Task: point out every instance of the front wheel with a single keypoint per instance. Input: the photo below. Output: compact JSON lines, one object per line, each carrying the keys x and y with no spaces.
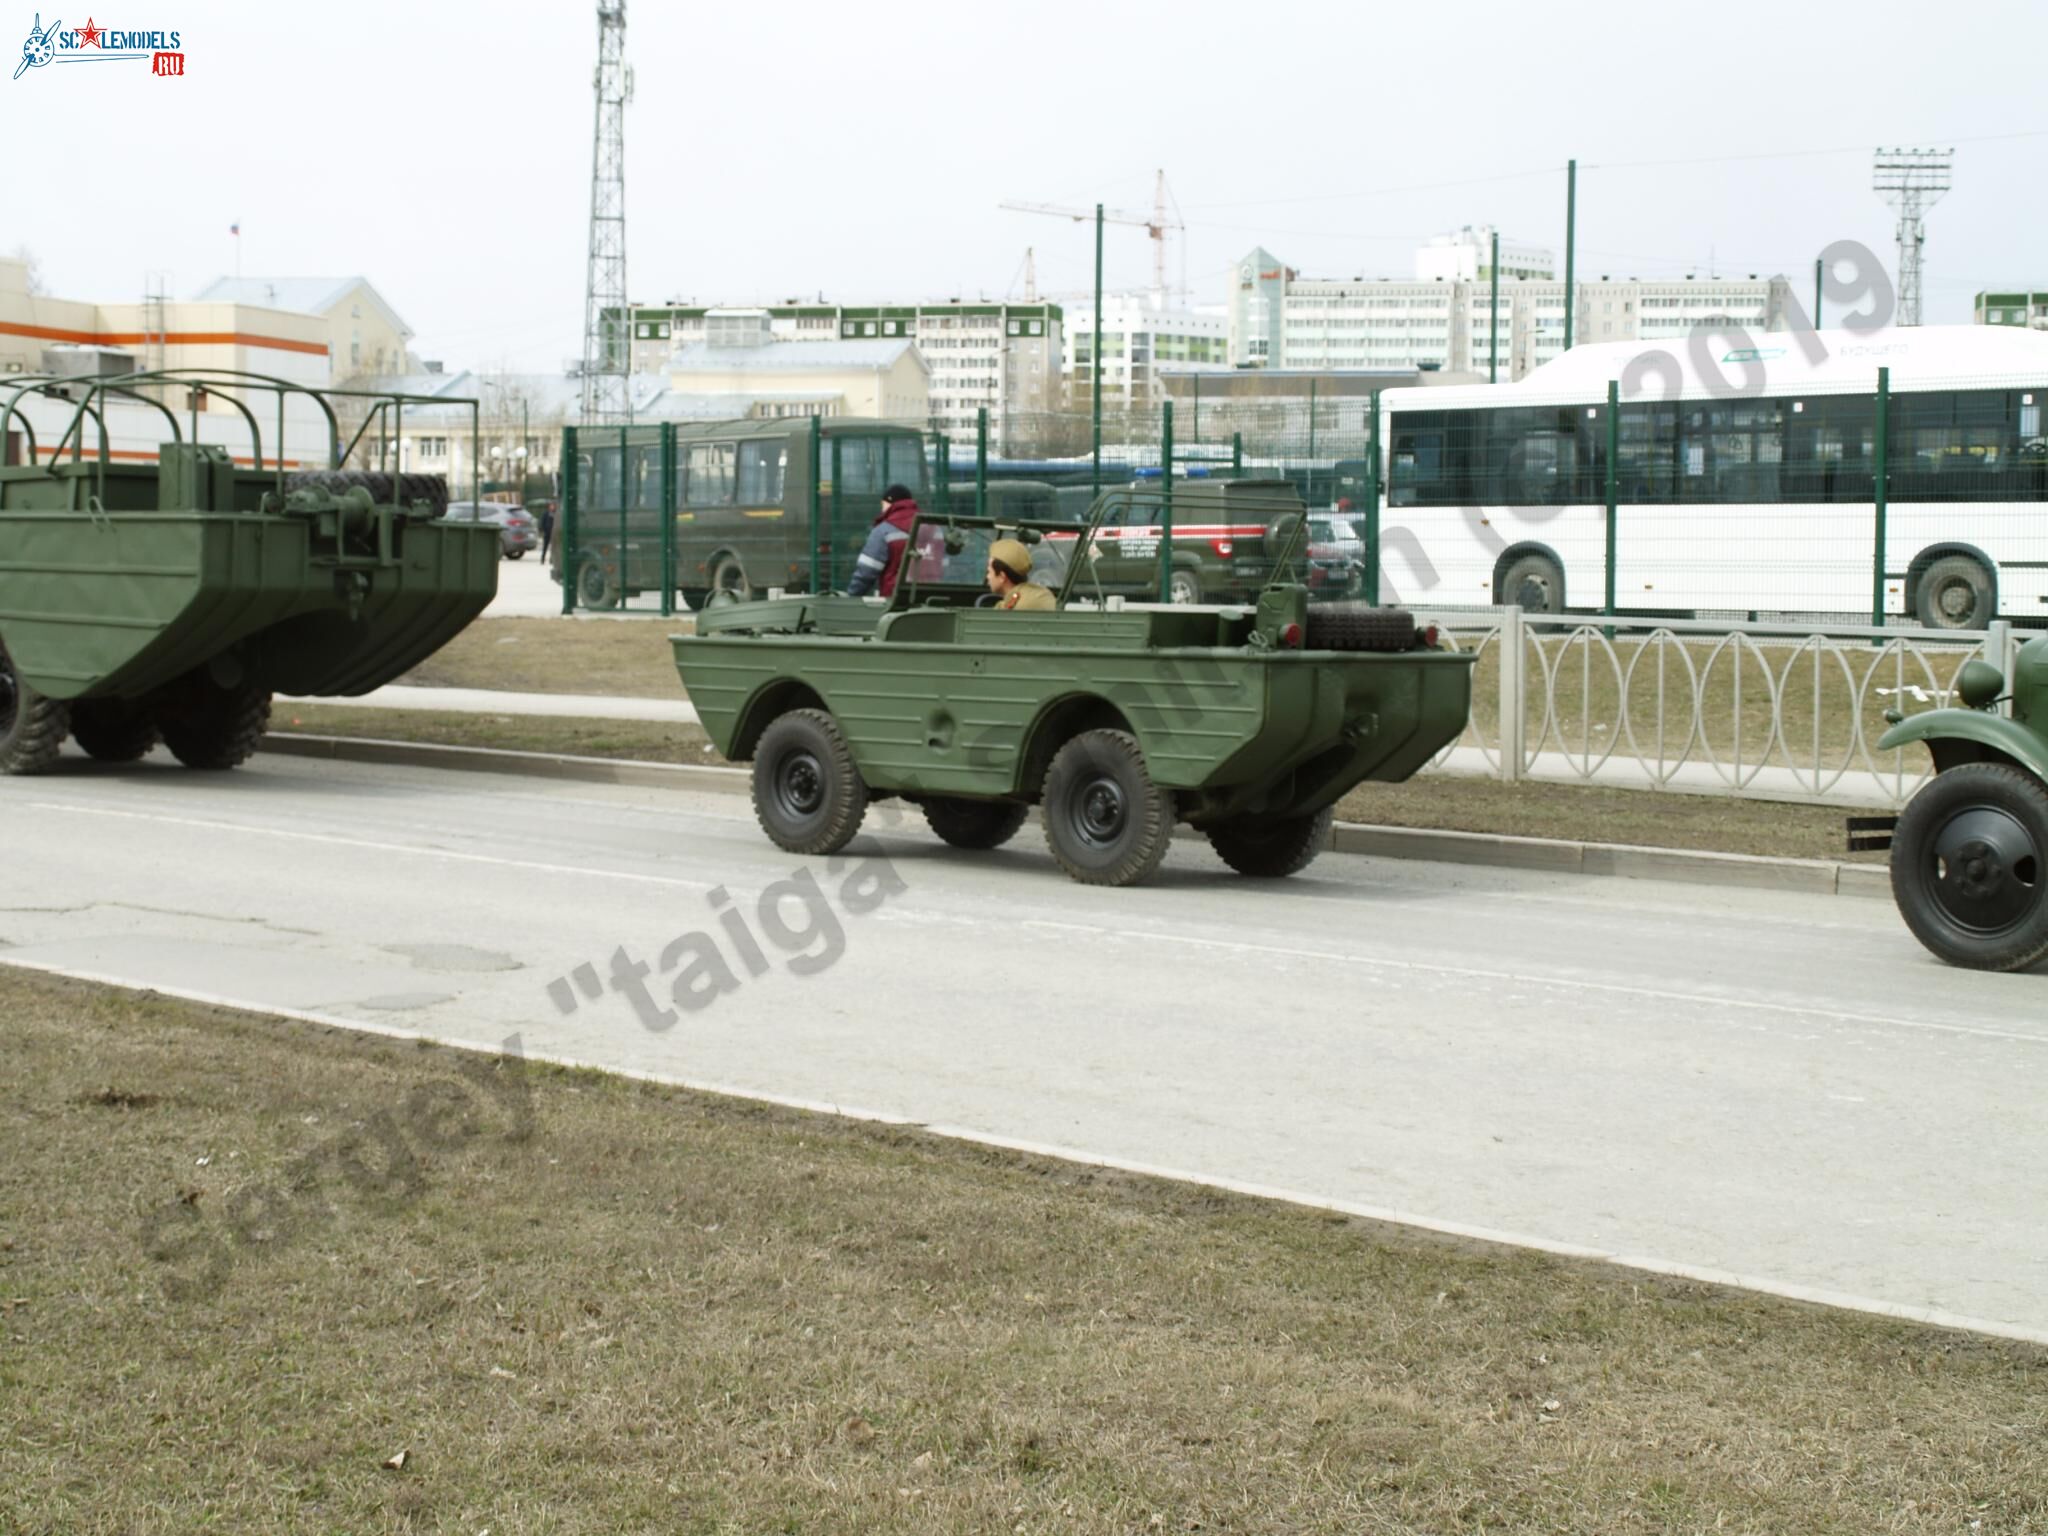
{"x":595,"y":585}
{"x":1970,"y":867}
{"x":1184,"y":586}
{"x":974,"y":823}
{"x":112,"y":730}
{"x":808,"y":793}
{"x":1106,"y":822}
{"x":222,"y":731}
{"x":1955,"y":592}
{"x":1273,"y":850}
{"x":1533,"y":583}
{"x":515,"y":554}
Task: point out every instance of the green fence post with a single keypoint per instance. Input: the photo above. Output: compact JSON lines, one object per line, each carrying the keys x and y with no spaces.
{"x":1880,"y":487}
{"x":567,"y":532}
{"x":1493,"y":315}
{"x":1198,"y":408}
{"x":981,"y":461}
{"x":1236,"y":454}
{"x":832,"y":514}
{"x":619,"y":556}
{"x":1613,"y":486}
{"x":1095,"y":358}
{"x":1372,"y":501}
{"x":668,"y":519}
{"x":1166,"y":502}
{"x":942,"y":490}
{"x":1816,"y":292}
{"x":817,"y":532}
{"x":1309,"y":479}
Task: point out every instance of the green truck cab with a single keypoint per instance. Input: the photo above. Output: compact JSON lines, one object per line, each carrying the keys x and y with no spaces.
{"x":1969,"y":853}
{"x":1247,"y":721}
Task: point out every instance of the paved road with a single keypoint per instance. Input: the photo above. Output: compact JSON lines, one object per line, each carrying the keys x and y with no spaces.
{"x":1772,"y":1086}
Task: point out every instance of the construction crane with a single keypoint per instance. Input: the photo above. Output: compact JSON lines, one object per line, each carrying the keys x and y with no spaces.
{"x":1156,"y":225}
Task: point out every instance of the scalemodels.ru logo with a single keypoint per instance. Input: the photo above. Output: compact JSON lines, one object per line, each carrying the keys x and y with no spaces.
{"x":95,"y":44}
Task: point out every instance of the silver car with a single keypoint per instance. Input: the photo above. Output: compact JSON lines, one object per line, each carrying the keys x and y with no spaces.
{"x":517,"y":531}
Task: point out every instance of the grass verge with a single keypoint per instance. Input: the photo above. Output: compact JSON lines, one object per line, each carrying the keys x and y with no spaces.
{"x":558,"y":656}
{"x":1584,"y":814}
{"x":661,"y":1311}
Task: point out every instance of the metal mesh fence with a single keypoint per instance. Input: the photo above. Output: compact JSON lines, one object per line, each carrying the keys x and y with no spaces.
{"x":1848,"y":496}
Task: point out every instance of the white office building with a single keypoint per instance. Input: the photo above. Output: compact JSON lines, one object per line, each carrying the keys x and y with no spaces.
{"x":1453,"y":323}
{"x":1141,"y":333}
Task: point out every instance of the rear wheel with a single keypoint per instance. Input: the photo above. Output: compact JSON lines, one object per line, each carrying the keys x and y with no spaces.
{"x":1533,"y":583}
{"x":1184,"y":586}
{"x":1106,"y":822}
{"x":1272,"y":850}
{"x":595,"y":585}
{"x":808,"y":793}
{"x":221,"y":731}
{"x":112,"y":730}
{"x":1970,"y":867}
{"x":1955,"y":592}
{"x":515,"y":554}
{"x":974,"y":823}
{"x":32,"y":728}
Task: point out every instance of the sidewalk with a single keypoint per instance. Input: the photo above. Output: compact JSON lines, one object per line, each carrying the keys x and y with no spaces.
{"x":488,"y":701}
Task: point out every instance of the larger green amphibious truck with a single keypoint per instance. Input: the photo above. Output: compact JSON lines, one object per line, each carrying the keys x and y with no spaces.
{"x":166,"y":595}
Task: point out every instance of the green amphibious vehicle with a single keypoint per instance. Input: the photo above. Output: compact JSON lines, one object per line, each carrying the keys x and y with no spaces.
{"x":167,"y":595}
{"x":1247,"y":721}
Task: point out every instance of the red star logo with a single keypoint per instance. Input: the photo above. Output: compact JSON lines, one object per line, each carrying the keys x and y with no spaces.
{"x":89,"y":35}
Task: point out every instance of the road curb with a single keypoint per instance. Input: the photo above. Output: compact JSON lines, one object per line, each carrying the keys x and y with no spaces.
{"x":1496,"y":850}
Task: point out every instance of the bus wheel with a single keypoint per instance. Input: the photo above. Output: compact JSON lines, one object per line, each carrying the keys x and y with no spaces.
{"x":730,"y":576}
{"x":1955,"y":592}
{"x":595,"y":587}
{"x":1534,"y":584}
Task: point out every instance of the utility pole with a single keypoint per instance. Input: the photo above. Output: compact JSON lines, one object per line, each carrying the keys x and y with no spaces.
{"x":1911,"y":180}
{"x":1493,"y":317}
{"x":1571,"y":230}
{"x":607,"y":324}
{"x":1095,"y":353}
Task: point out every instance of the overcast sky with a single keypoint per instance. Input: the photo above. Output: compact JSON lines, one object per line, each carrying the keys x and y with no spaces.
{"x":443,"y":149}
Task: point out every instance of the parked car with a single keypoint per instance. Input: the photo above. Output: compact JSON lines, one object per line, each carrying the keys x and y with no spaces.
{"x":1336,"y":555}
{"x":517,"y":530}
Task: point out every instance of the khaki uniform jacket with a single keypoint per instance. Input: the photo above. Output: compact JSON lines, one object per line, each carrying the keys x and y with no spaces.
{"x":1030,"y":597}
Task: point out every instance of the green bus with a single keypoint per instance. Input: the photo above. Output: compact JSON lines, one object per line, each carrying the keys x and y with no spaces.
{"x":710,"y":506}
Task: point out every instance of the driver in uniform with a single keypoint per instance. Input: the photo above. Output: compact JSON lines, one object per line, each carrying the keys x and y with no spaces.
{"x":1009,"y":577}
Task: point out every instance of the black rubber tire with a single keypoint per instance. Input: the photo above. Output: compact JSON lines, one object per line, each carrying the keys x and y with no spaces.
{"x":432,"y":489}
{"x":808,"y":793}
{"x":1184,"y":585}
{"x":974,"y":823}
{"x":383,"y":488}
{"x":728,"y":575}
{"x":32,"y":728}
{"x":1970,"y":867}
{"x":223,"y":732}
{"x":1275,"y":849}
{"x":596,"y":587}
{"x":112,"y":730}
{"x":1359,"y":627}
{"x":693,"y":597}
{"x":1106,"y":822}
{"x":1533,"y":582}
{"x":1955,"y":592}
{"x":515,"y":554}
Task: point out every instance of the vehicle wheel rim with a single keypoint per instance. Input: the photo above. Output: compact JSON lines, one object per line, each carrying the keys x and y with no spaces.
{"x":10,"y":694}
{"x":1099,"y":811}
{"x":1183,"y":590}
{"x":1987,"y":870}
{"x":594,"y":585}
{"x":800,"y":784}
{"x":1955,"y":601}
{"x":1533,"y":594}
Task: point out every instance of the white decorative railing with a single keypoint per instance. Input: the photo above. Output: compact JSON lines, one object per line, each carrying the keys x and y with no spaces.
{"x":1784,"y":710}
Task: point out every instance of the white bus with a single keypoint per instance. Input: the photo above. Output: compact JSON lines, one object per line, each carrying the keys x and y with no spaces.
{"x":1745,"y":479}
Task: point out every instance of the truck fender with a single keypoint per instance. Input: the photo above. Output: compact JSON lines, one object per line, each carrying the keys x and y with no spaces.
{"x":1958,"y":736}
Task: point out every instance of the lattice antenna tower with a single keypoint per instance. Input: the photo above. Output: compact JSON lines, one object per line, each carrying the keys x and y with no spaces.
{"x":1912,"y":180}
{"x":607,"y":327}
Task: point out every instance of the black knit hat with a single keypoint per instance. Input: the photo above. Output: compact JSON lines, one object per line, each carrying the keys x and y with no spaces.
{"x":896,"y":493}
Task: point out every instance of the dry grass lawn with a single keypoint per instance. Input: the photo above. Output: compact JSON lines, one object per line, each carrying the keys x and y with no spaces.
{"x":662,"y":1312}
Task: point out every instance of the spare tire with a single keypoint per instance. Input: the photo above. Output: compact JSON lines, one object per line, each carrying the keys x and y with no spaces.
{"x":432,"y":489}
{"x":1360,"y":627}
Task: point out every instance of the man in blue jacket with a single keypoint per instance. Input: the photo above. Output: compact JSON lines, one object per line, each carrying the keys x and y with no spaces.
{"x":881,"y":558}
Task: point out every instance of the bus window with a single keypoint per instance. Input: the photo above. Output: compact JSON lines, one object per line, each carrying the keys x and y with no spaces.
{"x":604,"y":478}
{"x":709,"y":475}
{"x":645,"y":475}
{"x":760,"y":473}
{"x":906,"y":463}
{"x":1418,"y":464}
